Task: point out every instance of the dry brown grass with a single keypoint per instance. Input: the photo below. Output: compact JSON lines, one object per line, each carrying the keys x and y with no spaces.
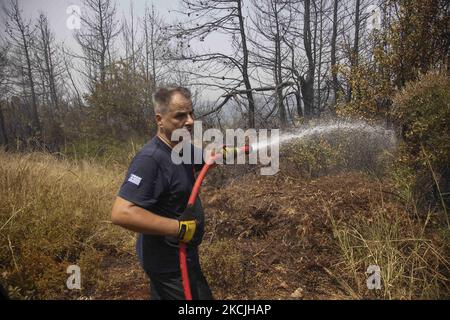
{"x":413,"y":260}
{"x":268,"y":237}
{"x":54,"y":213}
{"x":286,"y":235}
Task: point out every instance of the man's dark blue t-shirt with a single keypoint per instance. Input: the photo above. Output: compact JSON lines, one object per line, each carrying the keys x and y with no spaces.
{"x":156,"y":184}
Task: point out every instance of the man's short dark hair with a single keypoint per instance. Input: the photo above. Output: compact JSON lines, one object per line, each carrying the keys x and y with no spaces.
{"x":163,"y":95}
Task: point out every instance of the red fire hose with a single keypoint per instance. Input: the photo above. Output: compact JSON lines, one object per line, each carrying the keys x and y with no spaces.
{"x":192,"y":198}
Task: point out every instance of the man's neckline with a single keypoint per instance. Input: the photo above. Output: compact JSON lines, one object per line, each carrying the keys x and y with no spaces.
{"x":164,"y":141}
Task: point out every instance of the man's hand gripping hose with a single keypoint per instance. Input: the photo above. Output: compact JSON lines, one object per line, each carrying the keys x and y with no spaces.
{"x":187,"y":225}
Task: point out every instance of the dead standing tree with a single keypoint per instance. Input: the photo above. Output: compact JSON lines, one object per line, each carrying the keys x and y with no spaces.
{"x":155,"y":46}
{"x":302,"y":72}
{"x":205,"y":17}
{"x":96,"y":38}
{"x":3,"y":92}
{"x":129,"y":35}
{"x":48,"y":63}
{"x":307,"y":82}
{"x":333,"y":52}
{"x":271,"y":21}
{"x":354,"y":55}
{"x":21,"y":37}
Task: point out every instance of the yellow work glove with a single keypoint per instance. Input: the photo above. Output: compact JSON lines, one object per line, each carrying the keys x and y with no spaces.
{"x":187,"y":226}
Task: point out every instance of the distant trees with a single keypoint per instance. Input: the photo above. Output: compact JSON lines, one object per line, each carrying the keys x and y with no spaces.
{"x":21,"y":37}
{"x":419,"y":39}
{"x":284,"y":49}
{"x":272,"y":63}
{"x":31,"y":82}
{"x":271,"y":22}
{"x":411,"y":43}
{"x":96,"y":38}
{"x":129,"y":35}
{"x":204,"y":18}
{"x":300,"y":38}
{"x":48,"y":65}
{"x":155,"y":47}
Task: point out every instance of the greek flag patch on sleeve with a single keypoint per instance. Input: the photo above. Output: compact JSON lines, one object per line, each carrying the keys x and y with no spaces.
{"x":134,"y":179}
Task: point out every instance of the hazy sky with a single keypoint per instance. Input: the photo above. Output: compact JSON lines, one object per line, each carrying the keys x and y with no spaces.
{"x":56,"y":11}
{"x":57,"y":15}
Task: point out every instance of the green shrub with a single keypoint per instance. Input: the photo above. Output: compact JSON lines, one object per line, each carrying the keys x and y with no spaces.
{"x":314,"y":158}
{"x":422,"y":110}
{"x":360,"y":149}
{"x":120,"y":107}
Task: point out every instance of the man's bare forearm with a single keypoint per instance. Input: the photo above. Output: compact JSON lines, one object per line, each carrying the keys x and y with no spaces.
{"x":135,"y":218}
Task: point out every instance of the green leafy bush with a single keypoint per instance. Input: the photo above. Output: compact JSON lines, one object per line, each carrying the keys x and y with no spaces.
{"x":422,"y":110}
{"x":339,"y":151}
{"x":121,"y":107}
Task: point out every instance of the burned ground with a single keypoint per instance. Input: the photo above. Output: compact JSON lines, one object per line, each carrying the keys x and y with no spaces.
{"x":271,"y":237}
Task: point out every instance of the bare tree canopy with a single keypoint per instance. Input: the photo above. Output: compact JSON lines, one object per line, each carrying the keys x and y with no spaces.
{"x":249,"y":63}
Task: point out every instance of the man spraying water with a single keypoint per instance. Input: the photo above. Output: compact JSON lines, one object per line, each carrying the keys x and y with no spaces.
{"x":153,"y":202}
{"x":158,"y":199}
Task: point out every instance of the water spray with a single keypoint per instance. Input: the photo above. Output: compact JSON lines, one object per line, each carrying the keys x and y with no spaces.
{"x":326,"y":128}
{"x":300,"y":133}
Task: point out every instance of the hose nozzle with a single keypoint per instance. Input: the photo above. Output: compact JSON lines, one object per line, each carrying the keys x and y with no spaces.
{"x":234,"y":150}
